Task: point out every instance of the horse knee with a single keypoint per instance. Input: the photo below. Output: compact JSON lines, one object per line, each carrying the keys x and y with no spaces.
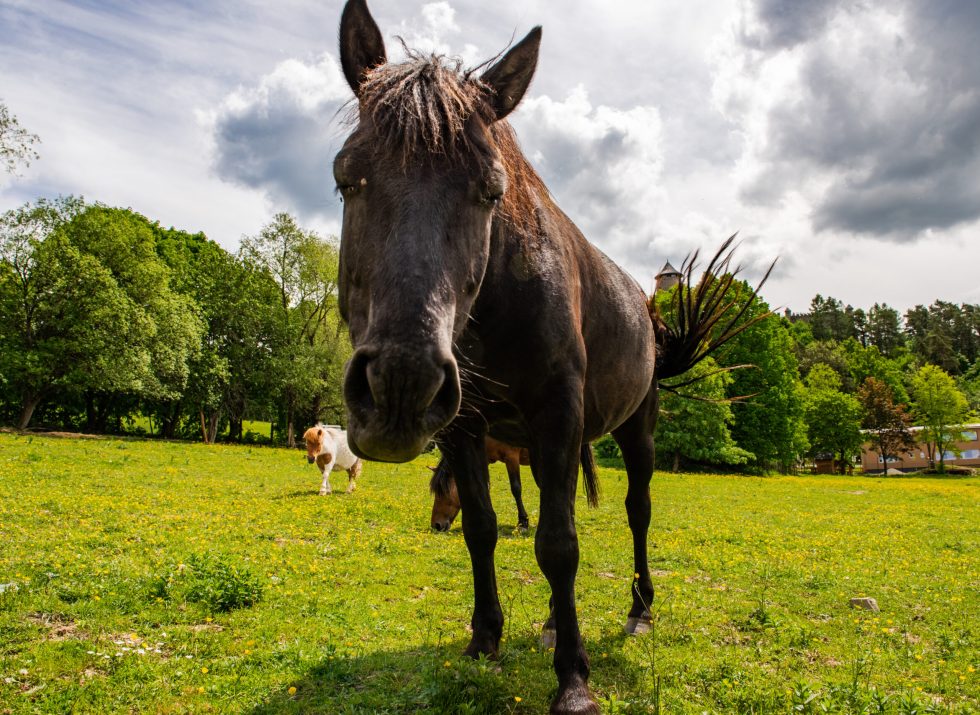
{"x":557,"y":553}
{"x":480,"y":529}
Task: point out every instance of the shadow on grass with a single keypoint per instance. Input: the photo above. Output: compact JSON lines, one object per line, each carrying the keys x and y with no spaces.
{"x":917,"y":475}
{"x":437,"y":679}
{"x":312,"y":493}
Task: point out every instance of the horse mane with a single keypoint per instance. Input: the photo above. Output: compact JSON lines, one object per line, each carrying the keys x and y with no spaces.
{"x":428,"y":107}
{"x":441,"y":484}
{"x":421,"y":105}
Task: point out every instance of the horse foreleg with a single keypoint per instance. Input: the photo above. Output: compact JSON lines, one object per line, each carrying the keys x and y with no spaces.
{"x":325,"y":486}
{"x":466,"y":458}
{"x":514,"y":474}
{"x":555,"y":448}
{"x":635,"y":440}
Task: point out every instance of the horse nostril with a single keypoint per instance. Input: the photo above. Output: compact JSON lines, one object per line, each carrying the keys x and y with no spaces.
{"x":445,"y":402}
{"x":359,"y":390}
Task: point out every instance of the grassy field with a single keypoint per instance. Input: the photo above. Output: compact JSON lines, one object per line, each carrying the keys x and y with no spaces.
{"x":143,"y":576}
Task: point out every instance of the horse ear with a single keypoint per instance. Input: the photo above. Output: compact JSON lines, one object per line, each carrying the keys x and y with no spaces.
{"x":361,"y":46}
{"x":510,"y":76}
{"x":319,"y":433}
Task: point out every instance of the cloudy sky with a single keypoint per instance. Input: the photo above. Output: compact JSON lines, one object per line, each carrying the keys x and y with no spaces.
{"x":841,"y":135}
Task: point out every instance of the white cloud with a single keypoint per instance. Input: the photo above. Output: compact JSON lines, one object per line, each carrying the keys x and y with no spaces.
{"x":604,"y":166}
{"x":860,"y":108}
{"x":837,"y":133}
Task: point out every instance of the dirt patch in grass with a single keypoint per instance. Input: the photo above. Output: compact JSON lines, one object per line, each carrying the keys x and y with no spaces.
{"x":60,"y":627}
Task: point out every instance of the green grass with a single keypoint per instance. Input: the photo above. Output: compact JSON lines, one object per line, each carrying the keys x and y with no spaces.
{"x":238,"y":583}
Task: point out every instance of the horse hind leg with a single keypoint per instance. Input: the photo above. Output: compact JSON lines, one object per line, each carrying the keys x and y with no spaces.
{"x":514,"y":474}
{"x":635,"y":440}
{"x":352,"y":474}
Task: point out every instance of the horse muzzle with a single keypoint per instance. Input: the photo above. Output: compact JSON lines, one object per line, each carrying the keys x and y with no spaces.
{"x":310,"y":459}
{"x":397,"y":400}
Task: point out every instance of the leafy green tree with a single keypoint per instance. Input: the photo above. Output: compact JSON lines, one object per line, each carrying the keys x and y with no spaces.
{"x":16,"y":143}
{"x":885,"y":422}
{"x":310,"y":347}
{"x":833,"y":418}
{"x":945,"y":334}
{"x":828,"y":353}
{"x":769,"y":424}
{"x":885,"y":329}
{"x":866,"y":361}
{"x":694,"y":425}
{"x":65,"y":320}
{"x":830,"y":320}
{"x":969,"y":383}
{"x":940,"y":408}
{"x":124,"y":242}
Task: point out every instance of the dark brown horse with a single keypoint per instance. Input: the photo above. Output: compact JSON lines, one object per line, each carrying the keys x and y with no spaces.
{"x":475,"y":305}
{"x":445,"y":504}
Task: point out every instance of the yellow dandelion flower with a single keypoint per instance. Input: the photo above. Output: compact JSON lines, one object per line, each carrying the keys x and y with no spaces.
{"x":292,"y":690}
{"x":446,"y":664}
{"x":200,"y":689}
{"x":204,"y":670}
{"x":517,"y":698}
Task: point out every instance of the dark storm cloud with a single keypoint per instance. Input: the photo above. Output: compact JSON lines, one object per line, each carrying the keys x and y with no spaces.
{"x":785,"y":23}
{"x":892,"y":115}
{"x":286,"y":154}
{"x":281,"y":136}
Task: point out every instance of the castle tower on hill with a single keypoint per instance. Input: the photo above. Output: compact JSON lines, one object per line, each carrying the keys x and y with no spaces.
{"x":668,"y":277}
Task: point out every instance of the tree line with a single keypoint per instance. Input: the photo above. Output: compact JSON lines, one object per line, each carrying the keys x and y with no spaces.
{"x":106,"y":315}
{"x":823,"y":383}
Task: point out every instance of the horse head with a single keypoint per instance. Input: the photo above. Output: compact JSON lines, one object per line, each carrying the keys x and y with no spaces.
{"x":445,"y":505}
{"x":314,"y":442}
{"x":423,"y":176}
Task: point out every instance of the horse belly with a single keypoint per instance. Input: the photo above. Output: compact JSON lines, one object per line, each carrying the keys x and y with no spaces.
{"x":619,"y":375}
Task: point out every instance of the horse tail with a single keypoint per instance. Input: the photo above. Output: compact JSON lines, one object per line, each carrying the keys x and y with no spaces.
{"x":702,"y":317}
{"x":589,"y":476}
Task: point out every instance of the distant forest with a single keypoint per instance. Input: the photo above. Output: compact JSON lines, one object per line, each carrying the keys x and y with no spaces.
{"x":110,"y":323}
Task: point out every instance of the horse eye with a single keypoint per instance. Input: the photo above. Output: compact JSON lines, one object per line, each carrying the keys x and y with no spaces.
{"x":491,"y":198}
{"x":347,"y":190}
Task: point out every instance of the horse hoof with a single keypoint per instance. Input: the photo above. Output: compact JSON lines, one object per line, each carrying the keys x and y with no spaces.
{"x":638,"y":625}
{"x":576,"y":700}
{"x":549,"y":636}
{"x":324,"y":492}
{"x":484,"y":647}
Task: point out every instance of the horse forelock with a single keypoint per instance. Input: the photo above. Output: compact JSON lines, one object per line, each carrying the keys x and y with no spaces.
{"x":441,"y":484}
{"x":427,"y":107}
{"x":312,"y":438}
{"x":421,"y":106}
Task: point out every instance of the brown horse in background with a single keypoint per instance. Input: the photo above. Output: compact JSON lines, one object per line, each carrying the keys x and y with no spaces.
{"x":475,"y":306}
{"x":445,"y":505}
